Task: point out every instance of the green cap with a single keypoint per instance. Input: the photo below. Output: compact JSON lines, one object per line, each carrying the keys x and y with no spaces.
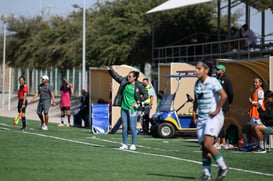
{"x":221,"y":67}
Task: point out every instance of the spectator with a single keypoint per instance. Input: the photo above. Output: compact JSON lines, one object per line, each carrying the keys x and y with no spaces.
{"x":267,"y":120}
{"x":209,"y":99}
{"x":234,"y":35}
{"x":159,"y":97}
{"x":227,"y":86}
{"x":147,"y":106}
{"x":46,"y":94}
{"x":22,"y":100}
{"x":65,"y":103}
{"x":82,"y":113}
{"x":250,"y":35}
{"x":130,"y":95}
{"x":257,"y":97}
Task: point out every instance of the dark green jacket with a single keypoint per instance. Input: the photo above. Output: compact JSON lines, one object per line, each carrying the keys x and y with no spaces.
{"x":140,"y":91}
{"x":267,"y":115}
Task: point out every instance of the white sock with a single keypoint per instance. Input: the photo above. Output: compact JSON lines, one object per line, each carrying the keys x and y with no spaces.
{"x":207,"y":167}
{"x":220,"y":161}
{"x":62,"y":119}
{"x":261,"y":144}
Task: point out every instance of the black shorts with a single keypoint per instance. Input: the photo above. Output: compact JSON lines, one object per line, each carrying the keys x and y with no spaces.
{"x":65,"y":108}
{"x":20,"y":103}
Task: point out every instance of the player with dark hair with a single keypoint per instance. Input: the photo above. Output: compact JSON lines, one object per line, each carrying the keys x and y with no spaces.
{"x":65,"y":103}
{"x":130,"y":94}
{"x":22,"y":100}
{"x":209,"y":99}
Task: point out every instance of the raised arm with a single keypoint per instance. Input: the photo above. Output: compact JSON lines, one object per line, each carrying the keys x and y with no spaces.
{"x":114,"y":74}
{"x":70,"y":86}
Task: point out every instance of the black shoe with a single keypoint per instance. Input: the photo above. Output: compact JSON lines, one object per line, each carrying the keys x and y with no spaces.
{"x":23,"y":129}
{"x":204,"y":177}
{"x":221,"y":174}
{"x":259,"y":150}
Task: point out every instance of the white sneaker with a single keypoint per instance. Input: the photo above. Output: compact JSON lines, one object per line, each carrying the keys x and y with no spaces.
{"x":123,"y":147}
{"x":217,"y":146}
{"x":133,"y":147}
{"x":225,"y":147}
{"x":44,"y":127}
{"x":61,"y":125}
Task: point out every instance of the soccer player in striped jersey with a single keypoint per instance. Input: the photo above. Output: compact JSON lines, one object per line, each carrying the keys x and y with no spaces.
{"x":209,"y":99}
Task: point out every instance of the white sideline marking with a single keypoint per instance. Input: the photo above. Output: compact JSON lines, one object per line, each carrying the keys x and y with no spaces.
{"x":5,"y":128}
{"x":143,"y":153}
{"x":4,"y":124}
{"x":141,"y":146}
{"x":187,"y":160}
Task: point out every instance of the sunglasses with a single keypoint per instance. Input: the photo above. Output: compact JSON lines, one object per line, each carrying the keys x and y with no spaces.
{"x":129,"y":76}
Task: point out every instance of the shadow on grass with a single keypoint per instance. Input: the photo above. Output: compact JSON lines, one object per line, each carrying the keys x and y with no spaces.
{"x":173,"y":176}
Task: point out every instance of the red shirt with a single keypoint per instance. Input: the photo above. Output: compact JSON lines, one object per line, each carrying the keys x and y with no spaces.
{"x":21,"y":92}
{"x":65,"y":97}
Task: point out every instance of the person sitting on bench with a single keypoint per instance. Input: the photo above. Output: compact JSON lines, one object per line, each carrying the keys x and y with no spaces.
{"x":267,"y":119}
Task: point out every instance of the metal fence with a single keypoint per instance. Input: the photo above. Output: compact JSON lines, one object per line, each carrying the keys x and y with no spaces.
{"x":234,"y":49}
{"x":33,"y":79}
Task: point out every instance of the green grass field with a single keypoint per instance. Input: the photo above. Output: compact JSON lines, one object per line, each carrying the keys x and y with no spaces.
{"x":63,"y":153}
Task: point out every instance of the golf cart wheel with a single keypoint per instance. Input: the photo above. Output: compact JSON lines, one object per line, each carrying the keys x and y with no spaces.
{"x":154,"y":131}
{"x":166,"y":130}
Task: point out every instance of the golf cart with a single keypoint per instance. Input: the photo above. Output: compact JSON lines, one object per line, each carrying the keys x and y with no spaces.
{"x":166,"y":122}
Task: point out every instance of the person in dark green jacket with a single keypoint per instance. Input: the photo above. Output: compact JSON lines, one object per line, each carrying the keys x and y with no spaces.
{"x":130,"y":94}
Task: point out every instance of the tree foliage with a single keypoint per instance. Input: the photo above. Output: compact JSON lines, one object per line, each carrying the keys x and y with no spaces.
{"x":262,"y":4}
{"x":117,"y":32}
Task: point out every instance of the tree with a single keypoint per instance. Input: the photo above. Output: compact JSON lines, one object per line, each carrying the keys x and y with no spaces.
{"x":262,"y":5}
{"x":117,"y":32}
{"x":24,"y":47}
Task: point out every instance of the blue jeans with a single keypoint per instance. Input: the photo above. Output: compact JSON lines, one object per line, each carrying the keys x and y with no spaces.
{"x":131,"y":118}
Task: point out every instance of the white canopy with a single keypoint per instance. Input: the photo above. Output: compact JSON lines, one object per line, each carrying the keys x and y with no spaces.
{"x":173,"y":4}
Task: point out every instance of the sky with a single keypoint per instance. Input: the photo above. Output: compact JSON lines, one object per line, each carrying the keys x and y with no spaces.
{"x":30,"y":8}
